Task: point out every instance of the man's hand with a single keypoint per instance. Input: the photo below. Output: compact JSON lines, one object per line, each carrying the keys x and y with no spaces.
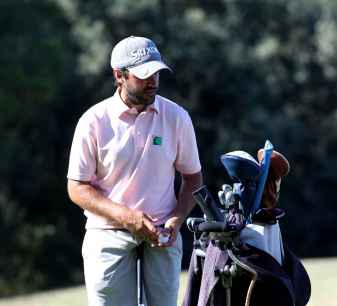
{"x":141,"y":225}
{"x":171,"y":229}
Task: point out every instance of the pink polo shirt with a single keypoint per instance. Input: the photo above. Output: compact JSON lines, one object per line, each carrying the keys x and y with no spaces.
{"x":132,"y":157}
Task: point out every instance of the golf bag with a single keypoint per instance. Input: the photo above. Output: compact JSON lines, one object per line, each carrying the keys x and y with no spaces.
{"x":239,"y":256}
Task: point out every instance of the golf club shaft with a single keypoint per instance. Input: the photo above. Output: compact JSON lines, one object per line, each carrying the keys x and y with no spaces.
{"x":140,"y":253}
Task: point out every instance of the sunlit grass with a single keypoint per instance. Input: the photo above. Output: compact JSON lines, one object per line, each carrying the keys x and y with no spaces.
{"x":323,"y":275}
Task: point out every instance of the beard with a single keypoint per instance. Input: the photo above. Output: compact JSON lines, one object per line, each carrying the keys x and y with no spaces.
{"x":142,"y":97}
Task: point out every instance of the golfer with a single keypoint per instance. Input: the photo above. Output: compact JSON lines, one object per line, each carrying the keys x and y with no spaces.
{"x":125,"y":152}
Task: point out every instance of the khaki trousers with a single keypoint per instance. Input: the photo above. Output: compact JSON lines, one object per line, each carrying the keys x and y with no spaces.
{"x":109,"y":258}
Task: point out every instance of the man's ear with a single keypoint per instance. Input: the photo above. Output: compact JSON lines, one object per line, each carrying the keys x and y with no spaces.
{"x":118,"y":75}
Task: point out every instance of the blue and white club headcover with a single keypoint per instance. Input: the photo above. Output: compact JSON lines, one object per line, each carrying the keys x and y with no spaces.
{"x":265,"y":163}
{"x":241,"y":166}
{"x":244,"y":171}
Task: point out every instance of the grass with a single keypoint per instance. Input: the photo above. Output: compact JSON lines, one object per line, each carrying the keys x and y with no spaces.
{"x":322,"y":272}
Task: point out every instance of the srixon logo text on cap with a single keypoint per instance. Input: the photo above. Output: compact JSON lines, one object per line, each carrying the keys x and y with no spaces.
{"x":143,"y":51}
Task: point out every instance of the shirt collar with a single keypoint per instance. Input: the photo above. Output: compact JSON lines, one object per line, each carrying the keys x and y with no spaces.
{"x":119,"y":107}
{"x":154,"y":106}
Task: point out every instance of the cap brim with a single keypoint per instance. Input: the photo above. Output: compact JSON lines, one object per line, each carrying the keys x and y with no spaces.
{"x":145,"y":70}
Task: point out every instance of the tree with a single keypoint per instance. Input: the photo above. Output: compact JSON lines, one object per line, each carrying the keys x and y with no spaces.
{"x":37,"y":64}
{"x":247,"y":71}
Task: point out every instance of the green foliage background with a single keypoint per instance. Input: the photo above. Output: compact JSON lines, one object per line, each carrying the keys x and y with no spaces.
{"x":246,"y":70}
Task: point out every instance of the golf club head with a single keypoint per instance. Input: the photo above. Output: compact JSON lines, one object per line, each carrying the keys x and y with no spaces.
{"x":207,"y":204}
{"x":192,"y":223}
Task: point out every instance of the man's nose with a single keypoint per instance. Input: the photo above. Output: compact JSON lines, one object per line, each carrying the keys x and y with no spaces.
{"x":153,"y":79}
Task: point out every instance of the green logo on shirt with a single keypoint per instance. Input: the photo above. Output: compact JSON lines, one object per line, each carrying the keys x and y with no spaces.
{"x":156,"y":140}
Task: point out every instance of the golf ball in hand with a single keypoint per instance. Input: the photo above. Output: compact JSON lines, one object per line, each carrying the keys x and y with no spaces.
{"x":163,"y":238}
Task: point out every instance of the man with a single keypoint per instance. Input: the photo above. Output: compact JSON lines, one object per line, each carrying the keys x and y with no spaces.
{"x":122,"y":165}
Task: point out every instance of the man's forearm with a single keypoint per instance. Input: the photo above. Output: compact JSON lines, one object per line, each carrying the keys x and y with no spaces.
{"x":89,"y":198}
{"x":186,"y":202}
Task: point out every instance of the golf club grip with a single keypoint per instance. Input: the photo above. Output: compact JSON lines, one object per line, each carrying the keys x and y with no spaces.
{"x":215,"y":227}
{"x":207,"y":204}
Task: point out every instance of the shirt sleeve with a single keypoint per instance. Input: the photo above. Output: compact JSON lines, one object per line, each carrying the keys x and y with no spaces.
{"x":187,"y":161}
{"x":83,"y":156}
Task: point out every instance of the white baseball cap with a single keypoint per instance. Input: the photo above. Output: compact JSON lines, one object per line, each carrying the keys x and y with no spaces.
{"x":139,"y":55}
